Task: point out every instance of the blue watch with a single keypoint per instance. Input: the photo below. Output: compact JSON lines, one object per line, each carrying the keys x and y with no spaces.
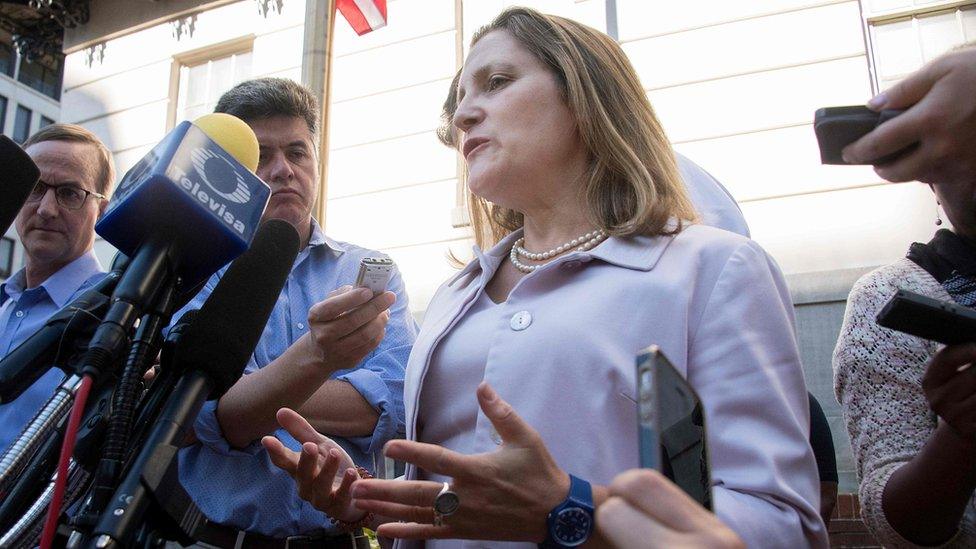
{"x":570,"y":523}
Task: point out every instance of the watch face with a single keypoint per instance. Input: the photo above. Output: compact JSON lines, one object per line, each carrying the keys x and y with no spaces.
{"x":572,"y":527}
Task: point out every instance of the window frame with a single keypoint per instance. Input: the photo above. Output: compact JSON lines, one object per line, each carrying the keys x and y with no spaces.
{"x":872,"y":19}
{"x":243,"y":44}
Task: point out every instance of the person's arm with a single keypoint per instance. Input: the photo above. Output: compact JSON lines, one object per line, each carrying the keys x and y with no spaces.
{"x":367,"y":403}
{"x":940,"y":117}
{"x":925,"y":498}
{"x":744,"y":363}
{"x":899,"y":449}
{"x":343,"y":329}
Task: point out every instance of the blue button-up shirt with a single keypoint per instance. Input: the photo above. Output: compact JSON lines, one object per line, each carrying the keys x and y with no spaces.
{"x":24,"y":311}
{"x":241,"y":487}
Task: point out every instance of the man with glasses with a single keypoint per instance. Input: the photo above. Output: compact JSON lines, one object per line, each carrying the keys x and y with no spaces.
{"x":57,"y":229}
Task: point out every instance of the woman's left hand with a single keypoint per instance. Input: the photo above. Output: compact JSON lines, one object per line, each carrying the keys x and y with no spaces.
{"x":504,"y":495}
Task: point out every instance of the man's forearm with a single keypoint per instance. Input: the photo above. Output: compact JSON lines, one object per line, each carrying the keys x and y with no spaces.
{"x":247,"y":411}
{"x":338,"y":409}
{"x":925,"y":498}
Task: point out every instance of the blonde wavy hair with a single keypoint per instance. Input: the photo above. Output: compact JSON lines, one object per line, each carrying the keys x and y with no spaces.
{"x":632,"y":184}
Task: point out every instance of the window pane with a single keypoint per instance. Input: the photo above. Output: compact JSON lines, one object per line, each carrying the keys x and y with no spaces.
{"x":202,"y":85}
{"x":242,"y":67}
{"x":969,"y":23}
{"x":44,"y":75}
{"x":939,"y":32}
{"x":22,"y":124}
{"x":3,"y":114}
{"x":221,"y":78}
{"x":45,"y":121}
{"x":896,"y":49}
{"x":8,"y":58}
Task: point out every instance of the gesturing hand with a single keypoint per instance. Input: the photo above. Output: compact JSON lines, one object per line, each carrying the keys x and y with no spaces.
{"x":504,"y":495}
{"x":347,"y":325}
{"x":647,"y":510}
{"x":949,"y":385}
{"x":323,"y":471}
{"x":941,"y":118}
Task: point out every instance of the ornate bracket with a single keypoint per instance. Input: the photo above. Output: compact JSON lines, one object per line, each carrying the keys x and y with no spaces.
{"x":184,"y":26}
{"x":95,"y":54}
{"x":266,"y":6}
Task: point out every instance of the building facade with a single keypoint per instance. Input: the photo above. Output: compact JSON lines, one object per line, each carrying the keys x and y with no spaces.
{"x":735,"y":84}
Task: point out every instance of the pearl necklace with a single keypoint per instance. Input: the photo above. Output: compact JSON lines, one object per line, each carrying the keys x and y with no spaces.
{"x":581,"y":244}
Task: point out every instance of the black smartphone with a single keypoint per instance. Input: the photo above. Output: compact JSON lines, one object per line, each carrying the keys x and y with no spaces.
{"x":671,"y":426}
{"x":838,"y":127}
{"x":921,"y":316}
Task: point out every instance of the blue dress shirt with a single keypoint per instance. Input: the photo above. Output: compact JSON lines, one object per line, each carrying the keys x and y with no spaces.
{"x":23,"y":312}
{"x":241,"y":487}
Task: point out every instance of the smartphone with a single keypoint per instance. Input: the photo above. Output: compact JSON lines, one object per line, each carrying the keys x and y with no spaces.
{"x":374,"y":273}
{"x":671,"y":426}
{"x":921,"y":316}
{"x":838,"y":127}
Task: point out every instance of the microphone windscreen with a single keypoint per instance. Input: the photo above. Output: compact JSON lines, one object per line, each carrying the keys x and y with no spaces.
{"x":229,"y":325}
{"x":234,"y":135}
{"x":20,"y":174}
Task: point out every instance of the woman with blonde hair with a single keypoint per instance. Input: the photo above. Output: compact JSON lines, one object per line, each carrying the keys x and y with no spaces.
{"x":592,"y":254}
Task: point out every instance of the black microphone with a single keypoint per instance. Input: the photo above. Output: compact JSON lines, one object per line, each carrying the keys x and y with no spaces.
{"x":213,"y":351}
{"x":20,"y":176}
{"x":230,"y":323}
{"x":55,"y":340}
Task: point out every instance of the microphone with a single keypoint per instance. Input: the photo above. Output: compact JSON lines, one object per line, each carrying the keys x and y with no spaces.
{"x":182,"y":212}
{"x":56,"y":339}
{"x":195,"y":192}
{"x":20,"y":176}
{"x":213,"y":351}
{"x":231,"y":321}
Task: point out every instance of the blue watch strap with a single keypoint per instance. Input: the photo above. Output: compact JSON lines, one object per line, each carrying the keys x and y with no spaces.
{"x":579,"y":504}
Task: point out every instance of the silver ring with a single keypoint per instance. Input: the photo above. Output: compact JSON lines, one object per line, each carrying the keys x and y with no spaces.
{"x":445,"y":504}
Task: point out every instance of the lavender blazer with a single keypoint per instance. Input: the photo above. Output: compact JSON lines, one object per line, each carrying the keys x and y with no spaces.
{"x":716,"y":304}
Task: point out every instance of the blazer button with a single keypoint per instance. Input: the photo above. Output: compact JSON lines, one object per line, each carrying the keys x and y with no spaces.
{"x":571,"y":265}
{"x":520,"y":321}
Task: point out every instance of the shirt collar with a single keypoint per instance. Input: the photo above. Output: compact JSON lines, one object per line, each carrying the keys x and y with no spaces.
{"x":318,"y":238}
{"x":61,"y":285}
{"x":639,"y":253}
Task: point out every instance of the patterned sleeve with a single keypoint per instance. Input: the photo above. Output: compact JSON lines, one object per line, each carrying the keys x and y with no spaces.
{"x":878,"y":382}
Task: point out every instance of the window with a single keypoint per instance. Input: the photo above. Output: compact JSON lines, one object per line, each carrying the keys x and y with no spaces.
{"x":6,"y":256}
{"x":8,"y":57}
{"x":45,"y":121}
{"x":44,"y":75}
{"x":3,"y":113}
{"x":22,"y":123}
{"x":201,"y":83}
{"x":905,"y":34}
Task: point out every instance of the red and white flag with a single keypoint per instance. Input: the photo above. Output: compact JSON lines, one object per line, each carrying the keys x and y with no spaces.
{"x":363,"y":15}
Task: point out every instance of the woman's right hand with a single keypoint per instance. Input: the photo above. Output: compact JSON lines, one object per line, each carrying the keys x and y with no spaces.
{"x":323,"y":471}
{"x":647,"y":510}
{"x":949,"y":385}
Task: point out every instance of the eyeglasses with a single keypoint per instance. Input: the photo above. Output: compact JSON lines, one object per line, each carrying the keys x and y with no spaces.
{"x":68,"y":196}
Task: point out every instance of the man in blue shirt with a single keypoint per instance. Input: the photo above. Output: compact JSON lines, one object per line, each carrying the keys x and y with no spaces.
{"x":57,"y":228}
{"x":334,"y":353}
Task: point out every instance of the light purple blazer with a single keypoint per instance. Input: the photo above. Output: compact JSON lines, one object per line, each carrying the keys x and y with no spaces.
{"x":715,"y":303}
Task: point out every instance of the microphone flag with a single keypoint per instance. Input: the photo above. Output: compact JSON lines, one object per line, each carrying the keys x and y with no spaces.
{"x":190,"y":190}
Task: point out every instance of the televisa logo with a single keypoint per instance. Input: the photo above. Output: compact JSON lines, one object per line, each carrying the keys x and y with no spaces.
{"x":212,"y":199}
